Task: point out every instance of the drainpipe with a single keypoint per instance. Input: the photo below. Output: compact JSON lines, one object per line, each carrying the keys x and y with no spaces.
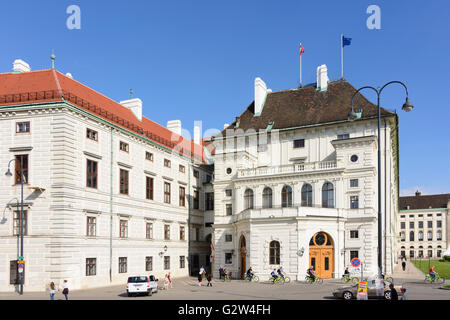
{"x":111,"y":208}
{"x":189,"y":218}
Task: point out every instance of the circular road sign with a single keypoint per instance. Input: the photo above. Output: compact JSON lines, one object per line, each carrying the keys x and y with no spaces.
{"x":355,"y":262}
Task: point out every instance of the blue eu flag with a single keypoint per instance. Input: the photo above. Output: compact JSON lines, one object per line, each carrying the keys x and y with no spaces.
{"x":346,"y":41}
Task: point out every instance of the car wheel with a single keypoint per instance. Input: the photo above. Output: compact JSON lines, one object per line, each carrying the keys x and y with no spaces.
{"x":347,"y":295}
{"x":129,"y":294}
{"x":387,"y":295}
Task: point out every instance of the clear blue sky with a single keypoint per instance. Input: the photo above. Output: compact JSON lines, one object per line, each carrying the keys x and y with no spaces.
{"x":197,"y":60}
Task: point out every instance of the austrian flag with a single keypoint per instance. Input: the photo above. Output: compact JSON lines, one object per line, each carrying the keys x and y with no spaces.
{"x":302,"y":50}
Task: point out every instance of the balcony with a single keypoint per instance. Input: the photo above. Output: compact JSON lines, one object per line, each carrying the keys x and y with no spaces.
{"x":287,"y":169}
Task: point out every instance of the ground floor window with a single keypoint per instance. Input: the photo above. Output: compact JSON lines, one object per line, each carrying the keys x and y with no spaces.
{"x":122,"y":265}
{"x":148,"y":263}
{"x":354,"y":254}
{"x":166,"y":263}
{"x":182,"y":262}
{"x":228,"y":258}
{"x":91,"y":266}
{"x":411,"y":253}
{"x":430,"y":253}
{"x":14,"y":275}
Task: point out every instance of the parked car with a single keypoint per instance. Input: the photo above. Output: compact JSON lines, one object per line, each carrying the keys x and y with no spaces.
{"x":350,"y":292}
{"x":142,"y":284}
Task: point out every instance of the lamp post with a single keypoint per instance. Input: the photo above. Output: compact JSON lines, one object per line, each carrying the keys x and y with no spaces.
{"x":407,"y":107}
{"x":9,"y":174}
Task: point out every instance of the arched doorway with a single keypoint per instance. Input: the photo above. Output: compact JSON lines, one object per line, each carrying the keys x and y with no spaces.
{"x":243,"y":256}
{"x":321,"y":254}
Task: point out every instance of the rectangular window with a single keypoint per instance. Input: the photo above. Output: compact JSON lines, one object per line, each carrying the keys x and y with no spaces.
{"x":229,"y":209}
{"x":16,"y":223}
{"x":439,"y":224}
{"x":299,"y":143}
{"x":354,"y":234}
{"x":411,"y":253}
{"x":327,"y":263}
{"x":91,"y":174}
{"x":402,"y":225}
{"x":196,"y":200}
{"x":354,"y":254}
{"x":149,"y":188}
{"x":166,"y":192}
{"x":420,"y":215}
{"x":149,"y":230}
{"x":148,"y":263}
{"x":166,"y":263}
{"x":166,"y":232}
{"x":123,"y":181}
{"x":411,"y":224}
{"x":91,"y":266}
{"x":353,"y":183}
{"x":343,"y":136}
{"x":90,"y":226}
{"x":123,"y":229}
{"x":429,"y":215}
{"x":182,"y":195}
{"x":402,"y":216}
{"x":167,"y":163}
{"x":228,"y":258}
{"x":182,"y":262}
{"x":21,"y":161}
{"x":228,"y":238}
{"x":209,"y":201}
{"x":430,"y":253}
{"x":91,"y":134}
{"x":181,"y":233}
{"x":228,"y":192}
{"x":23,"y":127}
{"x":411,"y":216}
{"x":122,"y":265}
{"x":149,"y":156}
{"x":208,"y":178}
{"x":430,"y":224}
{"x":124,"y":146}
{"x":196,"y":174}
{"x":197,"y":234}
{"x":354,"y":202}
{"x":181,"y":168}
{"x":420,"y":224}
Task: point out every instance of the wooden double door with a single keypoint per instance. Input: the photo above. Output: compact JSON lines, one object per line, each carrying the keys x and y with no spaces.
{"x":321,"y":255}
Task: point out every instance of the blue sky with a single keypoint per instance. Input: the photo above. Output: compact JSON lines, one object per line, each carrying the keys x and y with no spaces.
{"x":197,"y":60}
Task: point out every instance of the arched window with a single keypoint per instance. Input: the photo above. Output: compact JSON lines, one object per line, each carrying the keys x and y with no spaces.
{"x":274,"y":252}
{"x":307,"y":195}
{"x":267,"y":197}
{"x":286,"y":196}
{"x":248,"y":199}
{"x":327,"y":195}
{"x":439,"y":235}
{"x":411,"y":236}
{"x":430,"y":235}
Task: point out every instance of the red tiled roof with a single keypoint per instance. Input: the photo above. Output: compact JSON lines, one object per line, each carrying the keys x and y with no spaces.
{"x":51,"y":85}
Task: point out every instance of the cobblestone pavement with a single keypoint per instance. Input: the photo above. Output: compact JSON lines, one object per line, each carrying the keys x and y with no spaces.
{"x":188,"y":289}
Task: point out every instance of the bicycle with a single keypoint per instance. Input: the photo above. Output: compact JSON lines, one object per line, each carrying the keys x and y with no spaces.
{"x":386,"y":278}
{"x":252,"y":278}
{"x":226,"y":277}
{"x":310,"y":280}
{"x":429,"y":278}
{"x":352,"y":279}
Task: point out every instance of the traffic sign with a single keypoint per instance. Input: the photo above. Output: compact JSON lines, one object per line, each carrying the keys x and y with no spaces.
{"x":355,"y":262}
{"x":20,"y":269}
{"x":20,"y":258}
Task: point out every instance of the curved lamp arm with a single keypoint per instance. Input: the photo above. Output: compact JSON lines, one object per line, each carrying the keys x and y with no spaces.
{"x":352,"y":114}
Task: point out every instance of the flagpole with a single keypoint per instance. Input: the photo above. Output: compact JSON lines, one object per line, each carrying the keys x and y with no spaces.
{"x":300,"y":68}
{"x":342,"y":57}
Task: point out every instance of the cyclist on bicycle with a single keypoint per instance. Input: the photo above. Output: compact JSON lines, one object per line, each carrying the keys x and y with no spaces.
{"x":280,"y":272}
{"x":249,"y":273}
{"x":311,"y":274}
{"x":432,"y":273}
{"x":274,"y":274}
{"x":346,"y":273}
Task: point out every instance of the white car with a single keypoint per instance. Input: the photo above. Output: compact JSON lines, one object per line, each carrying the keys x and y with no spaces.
{"x":142,"y":284}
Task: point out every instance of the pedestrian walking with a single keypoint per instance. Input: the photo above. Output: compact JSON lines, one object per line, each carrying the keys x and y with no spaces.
{"x":404,"y":294}
{"x":404,"y":265}
{"x":166,"y":282}
{"x":170,"y":280}
{"x":208,"y":277}
{"x":65,"y":291}
{"x":200,"y":276}
{"x":221,"y":272}
{"x":394,"y":294}
{"x":52,"y":289}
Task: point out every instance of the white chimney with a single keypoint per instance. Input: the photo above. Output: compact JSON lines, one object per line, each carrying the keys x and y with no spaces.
{"x":69,"y":75}
{"x":226,"y":125}
{"x":260,"y":95}
{"x":196,"y":134}
{"x":175,"y":126}
{"x":322,"y":78}
{"x":135,"y":105}
{"x":20,"y":66}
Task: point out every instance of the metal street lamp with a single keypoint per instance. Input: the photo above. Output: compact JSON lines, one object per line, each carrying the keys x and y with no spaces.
{"x":9,"y":174}
{"x":407,"y":107}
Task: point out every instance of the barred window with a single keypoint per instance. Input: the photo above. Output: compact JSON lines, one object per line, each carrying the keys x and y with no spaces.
{"x":123,"y":228}
{"x":166,"y":262}
{"x":149,"y":188}
{"x":274,"y":252}
{"x":91,"y":174}
{"x":91,"y":266}
{"x":166,"y":192}
{"x":123,"y":181}
{"x":148,"y":263}
{"x":90,"y":226}
{"x":122,"y":265}
{"x":21,"y":161}
{"x":149,"y":230}
{"x":16,"y":223}
{"x":182,"y":262}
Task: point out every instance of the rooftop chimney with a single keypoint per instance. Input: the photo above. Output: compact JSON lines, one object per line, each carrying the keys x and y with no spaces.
{"x":20,"y":66}
{"x":135,"y":105}
{"x":322,"y":78}
{"x":69,"y":75}
{"x":175,"y":126}
{"x":196,"y":134}
{"x":418,"y":193}
{"x":226,"y":125}
{"x":260,"y":95}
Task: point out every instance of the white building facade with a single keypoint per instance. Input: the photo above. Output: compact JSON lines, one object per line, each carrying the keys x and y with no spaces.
{"x":296,"y":184}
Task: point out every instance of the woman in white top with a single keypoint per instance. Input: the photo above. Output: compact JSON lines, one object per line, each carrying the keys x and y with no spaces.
{"x":52,"y":289}
{"x":66,"y":289}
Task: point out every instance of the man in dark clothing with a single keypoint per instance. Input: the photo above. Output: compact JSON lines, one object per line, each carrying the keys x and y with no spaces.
{"x":404,"y":265}
{"x":394,"y":294}
{"x":221,"y":273}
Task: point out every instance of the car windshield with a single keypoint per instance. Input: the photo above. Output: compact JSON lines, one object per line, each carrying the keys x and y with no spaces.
{"x":137,"y":279}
